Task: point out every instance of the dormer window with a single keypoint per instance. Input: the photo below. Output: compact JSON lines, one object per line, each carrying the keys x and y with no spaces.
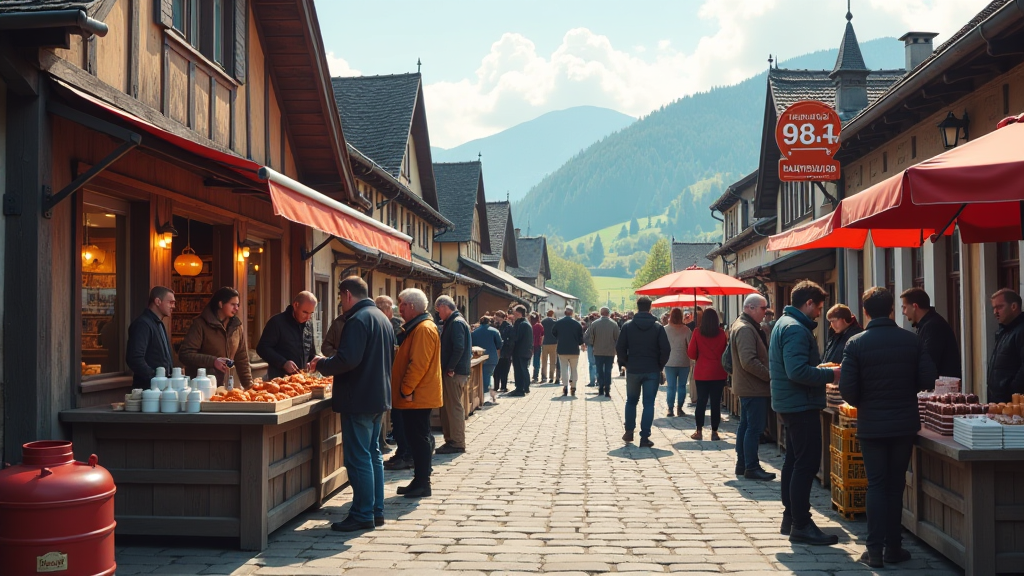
{"x":206,"y":25}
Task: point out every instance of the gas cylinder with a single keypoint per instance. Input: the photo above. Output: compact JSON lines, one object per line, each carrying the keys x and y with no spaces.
{"x":56,"y":514}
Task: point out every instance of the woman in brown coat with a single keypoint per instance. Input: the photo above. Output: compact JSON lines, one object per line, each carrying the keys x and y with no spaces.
{"x":216,"y":339}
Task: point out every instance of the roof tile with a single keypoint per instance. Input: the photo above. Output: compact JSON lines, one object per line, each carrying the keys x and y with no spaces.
{"x":376,"y":115}
{"x":457,"y":191}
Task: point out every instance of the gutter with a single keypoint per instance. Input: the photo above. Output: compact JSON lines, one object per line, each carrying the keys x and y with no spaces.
{"x":916,"y":80}
{"x":54,"y":19}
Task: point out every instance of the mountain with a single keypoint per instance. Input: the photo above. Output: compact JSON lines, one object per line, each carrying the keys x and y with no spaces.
{"x":643,"y":168}
{"x":519,"y":157}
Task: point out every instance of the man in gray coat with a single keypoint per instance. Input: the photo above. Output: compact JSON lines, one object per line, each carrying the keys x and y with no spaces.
{"x":751,"y":383}
{"x":601,"y":337}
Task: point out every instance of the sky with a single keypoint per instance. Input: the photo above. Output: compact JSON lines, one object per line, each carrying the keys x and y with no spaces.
{"x":488,"y":65}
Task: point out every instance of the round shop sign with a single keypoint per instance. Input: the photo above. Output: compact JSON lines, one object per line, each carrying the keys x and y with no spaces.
{"x":807,"y":134}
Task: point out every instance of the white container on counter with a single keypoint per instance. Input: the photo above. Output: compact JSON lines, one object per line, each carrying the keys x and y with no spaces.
{"x":177,"y":379}
{"x":183,"y":398}
{"x":203,"y":384}
{"x":195,"y":397}
{"x":160,"y":381}
{"x":169,"y":401}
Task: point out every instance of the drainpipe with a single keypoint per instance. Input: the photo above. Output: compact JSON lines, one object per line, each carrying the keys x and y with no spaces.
{"x":54,"y":19}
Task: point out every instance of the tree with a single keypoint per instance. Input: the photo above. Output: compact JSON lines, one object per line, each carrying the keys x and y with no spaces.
{"x":659,"y":263}
{"x":623,"y":233}
{"x":573,"y":278}
{"x":597,"y":252}
{"x":648,"y":220}
{"x":581,"y":248}
{"x":634,"y":226}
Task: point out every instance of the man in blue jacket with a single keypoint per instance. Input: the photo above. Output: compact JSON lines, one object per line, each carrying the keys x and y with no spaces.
{"x":798,"y":396}
{"x":456,"y":356}
{"x":488,"y":338}
{"x":643,"y":350}
{"x":362,"y":394}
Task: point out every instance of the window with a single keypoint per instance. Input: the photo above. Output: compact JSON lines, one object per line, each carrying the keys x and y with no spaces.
{"x":917,"y":267}
{"x":953,"y":282}
{"x":797,"y":201}
{"x":1008,"y":261}
{"x":206,"y":25}
{"x":890,"y":270}
{"x":104,"y":285}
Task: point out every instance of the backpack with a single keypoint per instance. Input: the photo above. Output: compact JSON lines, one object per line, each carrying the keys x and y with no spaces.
{"x":727,"y":356}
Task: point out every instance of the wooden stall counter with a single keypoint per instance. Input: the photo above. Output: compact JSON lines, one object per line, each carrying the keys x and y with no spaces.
{"x":967,"y":504}
{"x":239,"y":475}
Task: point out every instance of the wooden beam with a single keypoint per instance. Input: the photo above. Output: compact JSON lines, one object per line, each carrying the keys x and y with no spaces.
{"x":134,"y":46}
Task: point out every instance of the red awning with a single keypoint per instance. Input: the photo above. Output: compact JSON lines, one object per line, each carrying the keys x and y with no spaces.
{"x":291,"y":199}
{"x":978,"y":185}
{"x":826,"y":232}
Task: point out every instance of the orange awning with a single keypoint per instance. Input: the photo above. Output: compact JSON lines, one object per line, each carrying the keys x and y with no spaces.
{"x":827,"y":232}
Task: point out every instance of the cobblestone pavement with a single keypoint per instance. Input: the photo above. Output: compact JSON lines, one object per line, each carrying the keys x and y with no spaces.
{"x":547,"y":485}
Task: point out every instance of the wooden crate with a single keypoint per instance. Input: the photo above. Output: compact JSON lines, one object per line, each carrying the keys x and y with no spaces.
{"x":849,"y":500}
{"x":848,"y":468}
{"x":845,"y":440}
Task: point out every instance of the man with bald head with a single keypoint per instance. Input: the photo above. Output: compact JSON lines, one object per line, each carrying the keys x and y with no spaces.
{"x":751,"y":382}
{"x":287,"y":340}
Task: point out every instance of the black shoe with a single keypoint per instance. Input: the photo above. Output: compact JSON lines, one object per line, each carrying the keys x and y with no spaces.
{"x":812,"y":535}
{"x":628,"y":436}
{"x":895,"y":556}
{"x":449,"y":449}
{"x":403,"y":489}
{"x":591,"y":385}
{"x":787,"y":525}
{"x":565,"y":391}
{"x":740,"y":469}
{"x":872,"y":560}
{"x":516,"y":394}
{"x":399,"y":463}
{"x":418,"y":492}
{"x":758,"y":474}
{"x":646,"y":443}
{"x":607,"y":394}
{"x":350,"y":524}
{"x":680,"y":413}
{"x":378,"y":520}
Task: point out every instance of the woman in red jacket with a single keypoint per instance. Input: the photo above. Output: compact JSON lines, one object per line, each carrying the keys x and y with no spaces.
{"x":706,"y":348}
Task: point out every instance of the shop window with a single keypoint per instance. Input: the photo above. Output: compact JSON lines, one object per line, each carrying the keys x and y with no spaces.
{"x":255,"y":272}
{"x":953,"y":314}
{"x":104,"y":284}
{"x":917,"y":267}
{"x":192,"y":293}
{"x":890,"y":270}
{"x":206,"y":24}
{"x":1008,"y":261}
{"x":797,"y":201}
{"x":322,"y":291}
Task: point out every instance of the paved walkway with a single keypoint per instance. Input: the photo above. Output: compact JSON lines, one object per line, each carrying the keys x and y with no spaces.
{"x":548,"y":486}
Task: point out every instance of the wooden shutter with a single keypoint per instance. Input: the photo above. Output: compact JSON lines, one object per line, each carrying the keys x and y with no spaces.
{"x":164,"y":11}
{"x":241,"y":22}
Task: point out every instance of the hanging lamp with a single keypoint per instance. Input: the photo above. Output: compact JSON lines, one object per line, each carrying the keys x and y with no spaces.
{"x":92,"y":255}
{"x":187,"y":263}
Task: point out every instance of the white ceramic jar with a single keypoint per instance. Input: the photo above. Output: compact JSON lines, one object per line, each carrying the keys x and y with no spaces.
{"x":160,"y":381}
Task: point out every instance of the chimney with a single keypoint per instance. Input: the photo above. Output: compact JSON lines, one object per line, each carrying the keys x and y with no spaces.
{"x":517,"y":233}
{"x":918,"y":46}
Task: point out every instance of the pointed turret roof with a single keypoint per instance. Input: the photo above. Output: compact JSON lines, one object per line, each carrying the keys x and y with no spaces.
{"x":850,"y":57}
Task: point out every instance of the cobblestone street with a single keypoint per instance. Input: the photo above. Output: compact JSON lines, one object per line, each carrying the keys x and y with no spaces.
{"x":547,"y":485}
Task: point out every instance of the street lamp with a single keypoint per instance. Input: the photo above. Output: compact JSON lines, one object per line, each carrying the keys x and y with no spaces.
{"x":950,"y":129}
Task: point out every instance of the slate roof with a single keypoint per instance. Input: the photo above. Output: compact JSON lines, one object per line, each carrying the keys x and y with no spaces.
{"x":376,"y":115}
{"x":686,"y":254}
{"x":791,"y":86}
{"x":460,"y":191}
{"x":850,"y":57}
{"x":12,"y":6}
{"x":533,"y":258}
{"x":499,"y":223}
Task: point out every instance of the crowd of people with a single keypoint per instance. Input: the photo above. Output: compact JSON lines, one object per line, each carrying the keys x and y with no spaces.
{"x":392,"y":372}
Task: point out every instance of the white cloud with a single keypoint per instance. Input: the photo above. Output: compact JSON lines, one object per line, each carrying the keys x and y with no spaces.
{"x":515,"y":83}
{"x":340,"y":67}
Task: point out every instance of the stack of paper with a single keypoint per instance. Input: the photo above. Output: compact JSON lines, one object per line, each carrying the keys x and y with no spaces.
{"x":978,"y":433}
{"x":1013,"y":436}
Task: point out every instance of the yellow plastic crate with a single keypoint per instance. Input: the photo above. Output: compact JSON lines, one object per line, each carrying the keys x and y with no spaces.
{"x":848,"y":500}
{"x":848,"y":468}
{"x":845,"y":440}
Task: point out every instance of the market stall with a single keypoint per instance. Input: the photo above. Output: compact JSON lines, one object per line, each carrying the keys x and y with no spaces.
{"x":473,"y":394}
{"x":230,"y":474}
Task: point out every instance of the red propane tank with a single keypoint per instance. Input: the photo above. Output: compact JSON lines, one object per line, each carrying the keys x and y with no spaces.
{"x":56,"y":515}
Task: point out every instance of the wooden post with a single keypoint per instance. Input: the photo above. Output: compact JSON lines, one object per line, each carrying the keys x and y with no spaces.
{"x":255,"y":476}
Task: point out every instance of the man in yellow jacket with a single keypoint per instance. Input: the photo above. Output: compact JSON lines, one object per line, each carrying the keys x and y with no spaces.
{"x":416,"y":385}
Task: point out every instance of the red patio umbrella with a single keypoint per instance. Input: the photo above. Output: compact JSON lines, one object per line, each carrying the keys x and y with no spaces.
{"x":681,"y":300}
{"x":978,"y":186}
{"x":696,"y":280}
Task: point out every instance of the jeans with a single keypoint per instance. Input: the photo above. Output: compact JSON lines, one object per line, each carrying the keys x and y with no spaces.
{"x":536,"y":362}
{"x":676,"y":378}
{"x":521,"y":366}
{"x":886,"y":461}
{"x":646,"y":383}
{"x":709,"y":390}
{"x":604,"y":373}
{"x":417,"y":430}
{"x":803,"y":457}
{"x":453,"y":413}
{"x":365,"y":465}
{"x":488,"y":374}
{"x":501,"y":373}
{"x":592,"y":364}
{"x":753,"y":417}
{"x":568,"y":365}
{"x":398,"y":432}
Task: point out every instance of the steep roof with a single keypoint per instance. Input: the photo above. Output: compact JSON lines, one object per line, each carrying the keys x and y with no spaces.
{"x":850,"y":57}
{"x":460,"y":193}
{"x":732,"y":193}
{"x":503,"y":237}
{"x":379,"y":113}
{"x":790,"y":86}
{"x":686,"y":254}
{"x":533,"y":258}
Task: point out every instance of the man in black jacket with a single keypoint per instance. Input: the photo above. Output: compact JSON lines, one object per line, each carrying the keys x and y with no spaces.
{"x":643,"y":349}
{"x":505,"y":354}
{"x":148,"y":346}
{"x":287,"y":340}
{"x":884,"y":367}
{"x":569,"y":335}
{"x":362,"y":394}
{"x":1006,"y":365}
{"x":456,"y":355}
{"x":522,"y":351}
{"x":935,"y":333}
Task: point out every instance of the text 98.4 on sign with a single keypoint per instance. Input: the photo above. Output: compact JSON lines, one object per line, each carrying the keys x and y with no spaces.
{"x":808,"y":137}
